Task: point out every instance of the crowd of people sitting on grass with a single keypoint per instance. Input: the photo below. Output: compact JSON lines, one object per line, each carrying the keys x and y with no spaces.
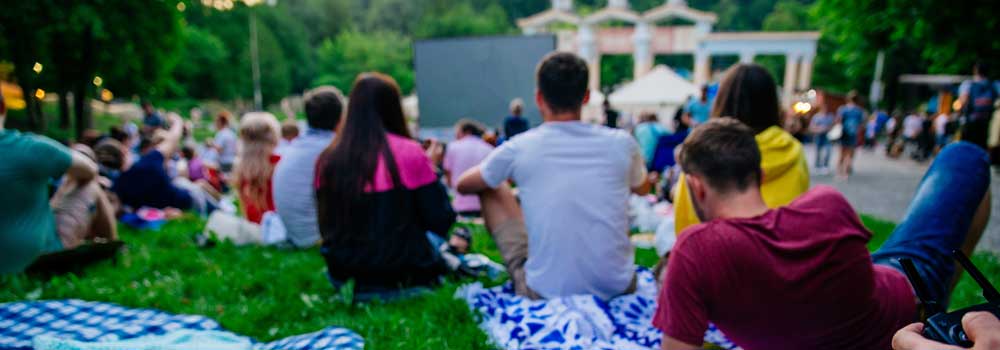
{"x":771,"y":262}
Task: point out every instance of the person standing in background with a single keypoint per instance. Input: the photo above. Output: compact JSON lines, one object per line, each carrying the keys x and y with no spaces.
{"x":467,"y":151}
{"x":977,"y":97}
{"x":851,"y":118}
{"x":648,"y":133}
{"x":225,"y":142}
{"x":699,"y":109}
{"x":514,"y":123}
{"x":941,"y":131}
{"x":610,"y":115}
{"x":820,"y":125}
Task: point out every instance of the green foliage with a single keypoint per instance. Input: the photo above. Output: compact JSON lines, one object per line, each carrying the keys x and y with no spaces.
{"x":202,"y":49}
{"x":464,"y":20}
{"x":353,"y":52}
{"x":615,"y":70}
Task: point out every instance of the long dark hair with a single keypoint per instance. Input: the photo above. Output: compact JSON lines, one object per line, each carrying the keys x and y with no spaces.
{"x":749,"y":94}
{"x":348,"y":165}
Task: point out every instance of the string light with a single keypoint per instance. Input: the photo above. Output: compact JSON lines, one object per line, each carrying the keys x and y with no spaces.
{"x":802,"y":107}
{"x":40,"y":94}
{"x":98,"y":81}
{"x":37,"y":68}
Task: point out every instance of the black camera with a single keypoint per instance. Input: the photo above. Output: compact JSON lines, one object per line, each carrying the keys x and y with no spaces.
{"x":946,"y":327}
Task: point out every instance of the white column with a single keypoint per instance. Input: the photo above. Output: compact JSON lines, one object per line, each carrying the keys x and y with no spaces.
{"x":562,"y":5}
{"x":643,"y":54}
{"x":805,"y":71}
{"x":788,"y":88}
{"x":588,"y":51}
{"x":746,"y":56}
{"x":702,"y":67}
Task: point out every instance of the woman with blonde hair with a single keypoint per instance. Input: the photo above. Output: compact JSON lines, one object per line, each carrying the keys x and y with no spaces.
{"x":258,"y":133}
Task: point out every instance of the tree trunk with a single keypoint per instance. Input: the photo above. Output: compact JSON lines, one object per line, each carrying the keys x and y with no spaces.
{"x":82,"y":86}
{"x":64,"y":109}
{"x":39,"y":120}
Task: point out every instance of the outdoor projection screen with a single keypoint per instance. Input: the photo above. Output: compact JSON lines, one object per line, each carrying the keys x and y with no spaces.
{"x":477,"y":77}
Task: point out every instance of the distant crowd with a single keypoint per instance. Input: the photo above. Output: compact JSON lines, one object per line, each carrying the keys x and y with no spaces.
{"x":770,"y":261}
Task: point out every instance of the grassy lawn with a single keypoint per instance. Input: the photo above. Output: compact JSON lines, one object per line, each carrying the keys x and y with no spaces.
{"x":269,"y":293}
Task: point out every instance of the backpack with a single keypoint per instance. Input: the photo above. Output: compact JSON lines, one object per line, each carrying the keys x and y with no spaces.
{"x":981,"y":97}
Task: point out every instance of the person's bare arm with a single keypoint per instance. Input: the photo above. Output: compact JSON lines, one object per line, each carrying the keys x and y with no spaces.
{"x":172,"y":139}
{"x":669,"y":343}
{"x":471,"y":182}
{"x":640,"y":181}
{"x":82,"y":169}
{"x":647,"y":186}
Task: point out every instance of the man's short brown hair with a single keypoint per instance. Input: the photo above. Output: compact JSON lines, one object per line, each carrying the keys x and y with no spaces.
{"x":724,"y":153}
{"x":562,"y":79}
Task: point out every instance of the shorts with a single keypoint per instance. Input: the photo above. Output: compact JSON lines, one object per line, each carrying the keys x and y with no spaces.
{"x":512,"y":239}
{"x":848,"y":140}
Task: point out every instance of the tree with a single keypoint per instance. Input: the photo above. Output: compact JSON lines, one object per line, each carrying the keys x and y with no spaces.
{"x":854,"y":31}
{"x":81,"y":39}
{"x":353,"y":52}
{"x":463,"y":20}
{"x":197,"y":75}
{"x":24,"y":46}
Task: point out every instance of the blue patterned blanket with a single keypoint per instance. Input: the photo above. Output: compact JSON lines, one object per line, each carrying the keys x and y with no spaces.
{"x":76,"y":321}
{"x":577,"y":322}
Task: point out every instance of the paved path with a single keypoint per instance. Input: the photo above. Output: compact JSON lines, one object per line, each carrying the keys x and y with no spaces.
{"x":882,"y":187}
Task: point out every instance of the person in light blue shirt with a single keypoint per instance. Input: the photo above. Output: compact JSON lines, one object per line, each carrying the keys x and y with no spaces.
{"x":699,"y":109}
{"x":648,"y":133}
{"x":294,"y":176}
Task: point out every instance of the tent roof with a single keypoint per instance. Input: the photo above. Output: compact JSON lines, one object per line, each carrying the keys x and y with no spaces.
{"x":661,"y":86}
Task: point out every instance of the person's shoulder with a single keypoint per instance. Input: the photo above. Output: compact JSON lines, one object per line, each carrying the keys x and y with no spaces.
{"x":611,"y":133}
{"x":404,"y":146}
{"x":702,"y":237}
{"x":822,"y":195}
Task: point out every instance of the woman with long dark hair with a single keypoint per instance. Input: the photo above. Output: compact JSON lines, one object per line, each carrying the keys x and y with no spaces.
{"x":378,"y":197}
{"x":748,"y":93}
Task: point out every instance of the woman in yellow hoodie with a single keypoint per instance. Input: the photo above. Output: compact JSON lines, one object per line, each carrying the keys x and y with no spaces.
{"x":748,"y":93}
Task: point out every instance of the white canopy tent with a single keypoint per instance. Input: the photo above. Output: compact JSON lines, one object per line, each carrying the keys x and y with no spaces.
{"x":661,"y":91}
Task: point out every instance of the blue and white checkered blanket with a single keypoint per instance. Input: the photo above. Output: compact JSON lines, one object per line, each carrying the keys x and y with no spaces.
{"x":576,"y":322}
{"x":93,"y":322}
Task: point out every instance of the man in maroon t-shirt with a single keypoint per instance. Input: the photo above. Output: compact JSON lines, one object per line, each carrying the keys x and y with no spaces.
{"x":799,"y":277}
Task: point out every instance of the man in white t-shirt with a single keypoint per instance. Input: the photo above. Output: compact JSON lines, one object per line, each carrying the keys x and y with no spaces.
{"x":574,"y":180}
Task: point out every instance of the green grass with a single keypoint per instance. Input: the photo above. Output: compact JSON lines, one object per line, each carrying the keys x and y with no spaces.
{"x":268,"y":293}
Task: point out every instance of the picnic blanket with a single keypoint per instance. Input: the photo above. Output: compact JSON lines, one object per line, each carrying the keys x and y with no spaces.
{"x":576,"y":322}
{"x":70,"y":324}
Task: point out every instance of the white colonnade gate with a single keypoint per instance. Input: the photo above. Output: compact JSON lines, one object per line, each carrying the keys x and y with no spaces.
{"x":645,"y":38}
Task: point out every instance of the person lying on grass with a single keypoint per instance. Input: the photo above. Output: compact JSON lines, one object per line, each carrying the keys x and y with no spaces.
{"x":800,"y":276}
{"x":295,"y":174}
{"x":574,"y":179}
{"x":31,"y":224}
{"x":382,"y":210}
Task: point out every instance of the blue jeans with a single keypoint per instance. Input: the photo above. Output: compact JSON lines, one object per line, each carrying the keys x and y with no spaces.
{"x":823,"y":150}
{"x":939,"y":217}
